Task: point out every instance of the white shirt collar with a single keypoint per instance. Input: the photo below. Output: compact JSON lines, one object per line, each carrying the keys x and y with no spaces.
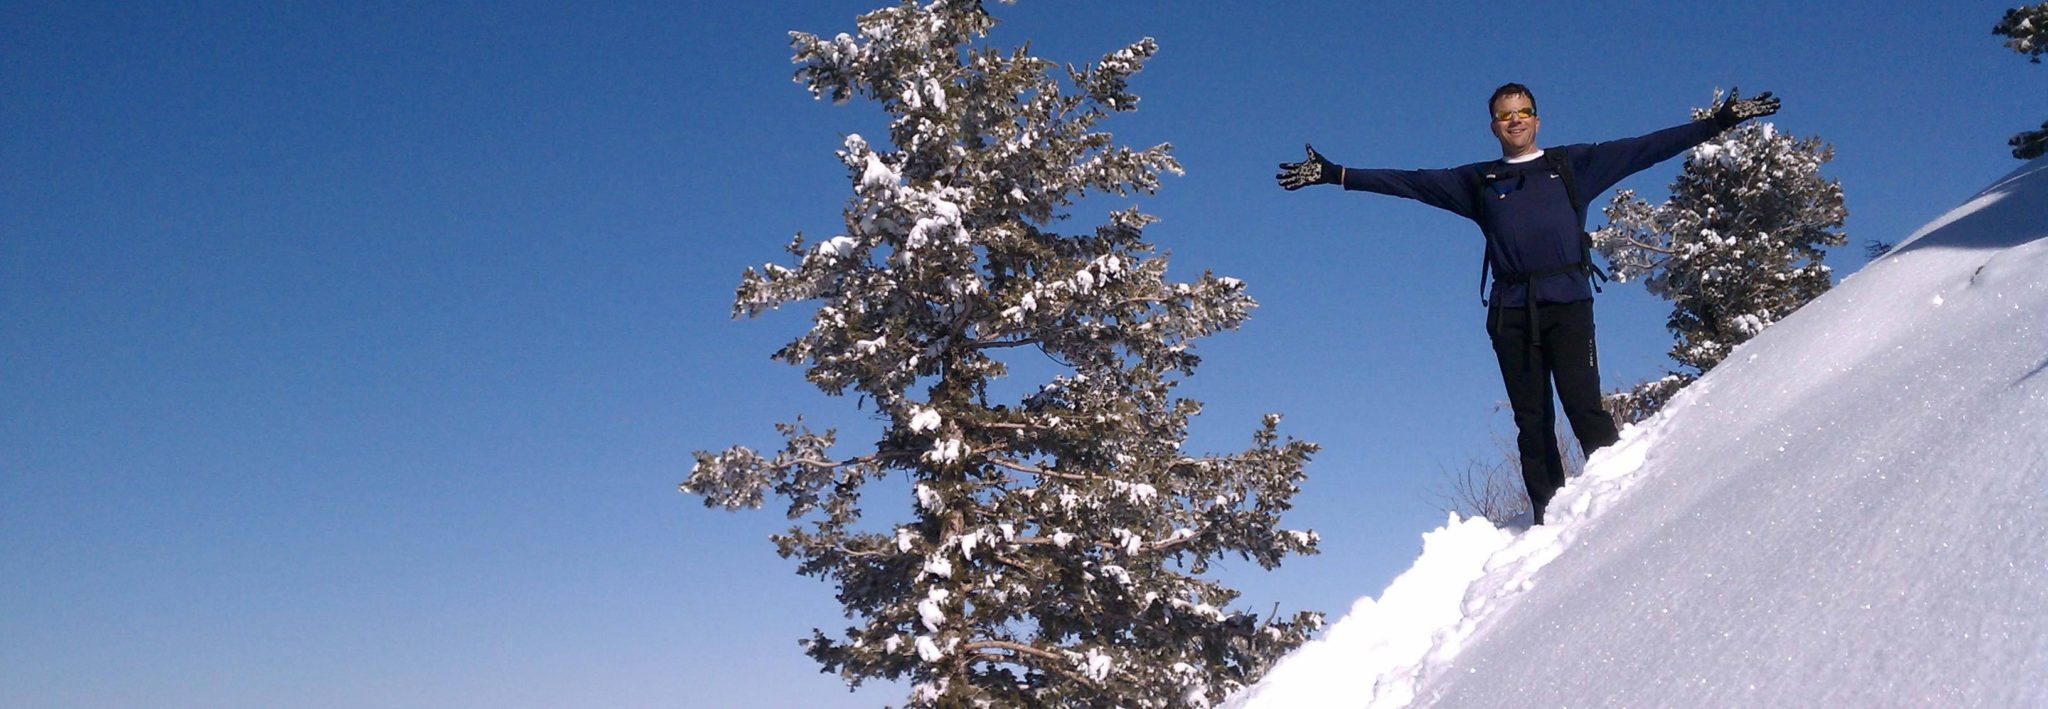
{"x":1524,"y":158}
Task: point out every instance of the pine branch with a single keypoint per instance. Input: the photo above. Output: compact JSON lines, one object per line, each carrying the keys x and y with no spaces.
{"x":1162,"y":544}
{"x":1032,"y":469}
{"x":1175,"y":540}
{"x":1011,"y":426}
{"x":1649,"y":247}
{"x":999,"y":344}
{"x":1035,"y":571}
{"x":1053,"y":662}
{"x":862,"y":460}
{"x":843,"y":549}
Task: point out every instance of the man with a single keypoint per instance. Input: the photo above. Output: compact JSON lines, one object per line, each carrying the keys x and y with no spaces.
{"x":1531,"y":206}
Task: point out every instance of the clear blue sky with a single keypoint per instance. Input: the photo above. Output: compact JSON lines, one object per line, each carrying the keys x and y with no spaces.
{"x":350,"y":353}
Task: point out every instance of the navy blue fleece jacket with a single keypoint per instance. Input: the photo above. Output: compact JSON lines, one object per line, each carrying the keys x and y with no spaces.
{"x":1534,"y":226}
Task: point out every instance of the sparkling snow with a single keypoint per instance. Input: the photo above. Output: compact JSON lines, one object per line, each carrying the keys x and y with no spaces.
{"x":927,"y":650}
{"x":945,"y":451}
{"x":1853,"y":513}
{"x":1096,"y":665}
{"x":968,"y":542}
{"x":837,"y":246}
{"x":930,"y":613}
{"x":924,"y":420}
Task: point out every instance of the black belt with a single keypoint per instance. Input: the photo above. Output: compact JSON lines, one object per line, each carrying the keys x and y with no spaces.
{"x":1529,"y":301}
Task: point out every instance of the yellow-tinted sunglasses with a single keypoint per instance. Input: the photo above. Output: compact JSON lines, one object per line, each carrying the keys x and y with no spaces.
{"x":1511,"y":114}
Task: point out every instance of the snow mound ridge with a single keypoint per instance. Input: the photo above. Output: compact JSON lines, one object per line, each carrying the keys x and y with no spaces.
{"x":1469,"y":570}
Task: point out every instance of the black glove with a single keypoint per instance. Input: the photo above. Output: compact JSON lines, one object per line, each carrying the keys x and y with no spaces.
{"x":1737,"y":109}
{"x":1311,"y":171}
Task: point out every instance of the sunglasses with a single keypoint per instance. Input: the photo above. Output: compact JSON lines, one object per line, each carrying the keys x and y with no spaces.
{"x":1510,"y":115}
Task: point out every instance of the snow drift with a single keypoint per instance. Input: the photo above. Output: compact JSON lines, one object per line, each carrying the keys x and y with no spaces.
{"x":1851,"y":510}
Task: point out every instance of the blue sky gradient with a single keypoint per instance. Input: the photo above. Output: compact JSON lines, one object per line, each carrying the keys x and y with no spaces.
{"x":350,"y":354}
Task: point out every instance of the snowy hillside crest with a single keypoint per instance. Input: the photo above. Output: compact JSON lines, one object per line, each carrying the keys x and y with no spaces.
{"x":1850,"y":511}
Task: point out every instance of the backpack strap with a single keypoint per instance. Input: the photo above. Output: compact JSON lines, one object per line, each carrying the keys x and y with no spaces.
{"x":1562,"y":164}
{"x":1480,"y":179}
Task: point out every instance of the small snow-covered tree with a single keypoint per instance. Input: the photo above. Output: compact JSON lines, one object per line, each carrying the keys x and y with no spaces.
{"x":2025,"y":30}
{"x":1055,"y":544}
{"x":1638,"y":403}
{"x":1737,"y":245}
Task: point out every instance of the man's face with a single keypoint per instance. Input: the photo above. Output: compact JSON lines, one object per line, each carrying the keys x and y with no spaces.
{"x":1517,"y":133}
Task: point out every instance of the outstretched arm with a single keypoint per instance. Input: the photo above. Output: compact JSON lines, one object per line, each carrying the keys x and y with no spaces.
{"x":1605,"y":164}
{"x":1443,"y":189}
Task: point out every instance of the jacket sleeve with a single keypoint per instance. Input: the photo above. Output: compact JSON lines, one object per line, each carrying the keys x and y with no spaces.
{"x":1444,"y":189}
{"x":1602,"y":165}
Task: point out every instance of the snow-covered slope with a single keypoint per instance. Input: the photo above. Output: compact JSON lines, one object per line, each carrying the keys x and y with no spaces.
{"x":1852,"y":510}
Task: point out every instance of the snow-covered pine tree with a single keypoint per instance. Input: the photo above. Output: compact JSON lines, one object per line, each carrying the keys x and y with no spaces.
{"x":2025,"y":30}
{"x":1737,"y":246}
{"x":1056,"y":545}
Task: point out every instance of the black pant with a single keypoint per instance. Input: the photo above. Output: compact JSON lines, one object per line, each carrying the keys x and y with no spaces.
{"x":1563,"y":351}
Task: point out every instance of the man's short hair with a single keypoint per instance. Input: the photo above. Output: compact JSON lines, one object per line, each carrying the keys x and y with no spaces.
{"x":1509,"y":89}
